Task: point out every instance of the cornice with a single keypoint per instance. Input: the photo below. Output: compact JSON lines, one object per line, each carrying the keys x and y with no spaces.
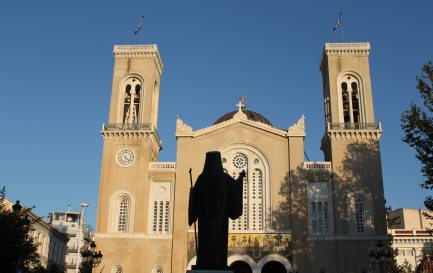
{"x":345,"y":49}
{"x":297,"y":129}
{"x":354,"y":134}
{"x":133,"y":236}
{"x":145,"y":51}
{"x":133,"y":134}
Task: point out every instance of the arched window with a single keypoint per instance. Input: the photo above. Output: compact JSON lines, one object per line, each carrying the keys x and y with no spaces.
{"x":155,"y":99}
{"x":117,"y":269}
{"x":355,"y":102}
{"x":257,"y":199}
{"x":122,"y":218}
{"x":239,"y":163}
{"x":359,"y":214}
{"x":131,"y":102}
{"x":350,"y":101}
{"x":255,"y":203}
{"x":345,"y":99}
{"x":158,"y":269}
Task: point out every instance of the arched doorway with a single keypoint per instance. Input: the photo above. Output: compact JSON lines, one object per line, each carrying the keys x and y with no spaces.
{"x":274,"y":267}
{"x":241,"y":267}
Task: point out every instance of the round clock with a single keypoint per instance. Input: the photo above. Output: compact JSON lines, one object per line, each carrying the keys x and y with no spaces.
{"x":125,"y":157}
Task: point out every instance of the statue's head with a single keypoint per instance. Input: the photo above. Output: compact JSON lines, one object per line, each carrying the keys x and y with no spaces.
{"x":213,"y":162}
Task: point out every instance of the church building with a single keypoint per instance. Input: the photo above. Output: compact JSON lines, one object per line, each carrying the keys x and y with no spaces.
{"x":298,"y":216}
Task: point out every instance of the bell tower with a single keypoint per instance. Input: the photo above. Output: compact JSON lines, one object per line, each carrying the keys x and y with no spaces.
{"x":135,"y":91}
{"x":351,"y":144}
{"x":131,"y":143}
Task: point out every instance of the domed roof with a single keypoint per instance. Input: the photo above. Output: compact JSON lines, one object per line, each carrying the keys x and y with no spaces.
{"x":425,"y":266}
{"x":251,"y":115}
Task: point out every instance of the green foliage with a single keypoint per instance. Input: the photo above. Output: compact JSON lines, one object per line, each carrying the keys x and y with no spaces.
{"x":393,"y":266}
{"x":406,"y":268}
{"x":417,"y":123}
{"x":17,"y":249}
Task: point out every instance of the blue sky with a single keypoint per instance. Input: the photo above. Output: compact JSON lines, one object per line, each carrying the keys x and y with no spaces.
{"x":57,"y":64}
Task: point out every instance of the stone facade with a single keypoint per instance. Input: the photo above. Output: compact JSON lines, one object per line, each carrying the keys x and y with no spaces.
{"x":51,"y":244}
{"x":298,"y":216}
{"x":410,"y":236}
{"x":68,"y":222}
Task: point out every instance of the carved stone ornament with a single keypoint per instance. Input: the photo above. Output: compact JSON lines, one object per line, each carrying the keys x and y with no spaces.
{"x":298,"y":127}
{"x":240,"y":116}
{"x":182,"y":128}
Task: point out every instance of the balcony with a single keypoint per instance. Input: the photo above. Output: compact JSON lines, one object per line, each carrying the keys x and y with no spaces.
{"x":162,"y":166}
{"x":110,"y":129}
{"x":318,"y":171}
{"x":318,"y":165}
{"x":354,"y":126}
{"x":353,"y":131}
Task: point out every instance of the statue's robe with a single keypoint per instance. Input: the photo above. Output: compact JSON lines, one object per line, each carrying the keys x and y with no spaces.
{"x":214,"y":198}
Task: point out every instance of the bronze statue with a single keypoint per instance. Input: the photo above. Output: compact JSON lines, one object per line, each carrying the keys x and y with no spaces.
{"x":215,"y":197}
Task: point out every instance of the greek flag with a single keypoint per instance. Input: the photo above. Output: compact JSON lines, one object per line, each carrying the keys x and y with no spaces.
{"x":338,"y":25}
{"x":140,"y":26}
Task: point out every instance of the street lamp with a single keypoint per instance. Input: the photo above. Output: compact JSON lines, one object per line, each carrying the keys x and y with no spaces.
{"x":91,"y":257}
{"x":380,"y":257}
{"x":80,"y":234}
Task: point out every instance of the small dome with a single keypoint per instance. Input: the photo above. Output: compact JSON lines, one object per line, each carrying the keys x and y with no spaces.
{"x":251,"y":115}
{"x":425,"y":266}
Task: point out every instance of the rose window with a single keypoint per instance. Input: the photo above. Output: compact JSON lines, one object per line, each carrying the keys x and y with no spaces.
{"x":240,"y":161}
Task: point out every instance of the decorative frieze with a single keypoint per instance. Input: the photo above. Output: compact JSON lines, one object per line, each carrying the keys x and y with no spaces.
{"x":121,"y":51}
{"x":162,"y":166}
{"x":318,"y":171}
{"x":297,"y":129}
{"x":182,"y":128}
{"x":347,"y":49}
{"x":354,"y":135}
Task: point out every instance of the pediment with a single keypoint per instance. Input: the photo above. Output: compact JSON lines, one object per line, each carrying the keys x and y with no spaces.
{"x":297,"y":129}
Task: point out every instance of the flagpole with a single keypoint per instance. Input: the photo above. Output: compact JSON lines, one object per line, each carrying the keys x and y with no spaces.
{"x":342,"y":26}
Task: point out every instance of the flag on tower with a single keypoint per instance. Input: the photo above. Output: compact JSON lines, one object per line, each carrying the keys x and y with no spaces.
{"x":338,"y":25}
{"x":140,"y":26}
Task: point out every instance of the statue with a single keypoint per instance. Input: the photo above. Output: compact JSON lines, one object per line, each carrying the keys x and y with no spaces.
{"x":215,"y":197}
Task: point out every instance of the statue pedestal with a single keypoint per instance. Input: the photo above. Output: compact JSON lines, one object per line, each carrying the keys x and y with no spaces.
{"x":208,"y":271}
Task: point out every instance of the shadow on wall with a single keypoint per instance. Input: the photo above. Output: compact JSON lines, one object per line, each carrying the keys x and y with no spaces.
{"x":360,"y":188}
{"x":357,"y":190}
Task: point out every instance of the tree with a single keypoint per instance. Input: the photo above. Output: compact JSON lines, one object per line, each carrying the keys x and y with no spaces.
{"x":417,"y":123}
{"x":406,"y":267}
{"x":17,"y":248}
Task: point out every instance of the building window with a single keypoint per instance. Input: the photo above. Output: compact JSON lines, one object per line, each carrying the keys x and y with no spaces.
{"x":350,"y":101}
{"x":117,"y":269}
{"x":255,"y":200}
{"x":359,"y":215}
{"x":159,"y":220}
{"x":319,"y":208}
{"x":131,"y":101}
{"x":157,"y":269}
{"x":319,"y":218}
{"x":122,"y":219}
{"x":155,"y":216}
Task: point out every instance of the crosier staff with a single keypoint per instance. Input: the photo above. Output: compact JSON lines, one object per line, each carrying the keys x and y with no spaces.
{"x":195,"y":228}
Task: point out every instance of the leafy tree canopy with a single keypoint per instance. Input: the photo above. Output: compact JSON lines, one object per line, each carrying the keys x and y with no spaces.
{"x":417,"y":123}
{"x":17,"y":249}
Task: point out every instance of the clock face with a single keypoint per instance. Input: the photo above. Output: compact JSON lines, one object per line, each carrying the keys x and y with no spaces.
{"x":125,"y":157}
